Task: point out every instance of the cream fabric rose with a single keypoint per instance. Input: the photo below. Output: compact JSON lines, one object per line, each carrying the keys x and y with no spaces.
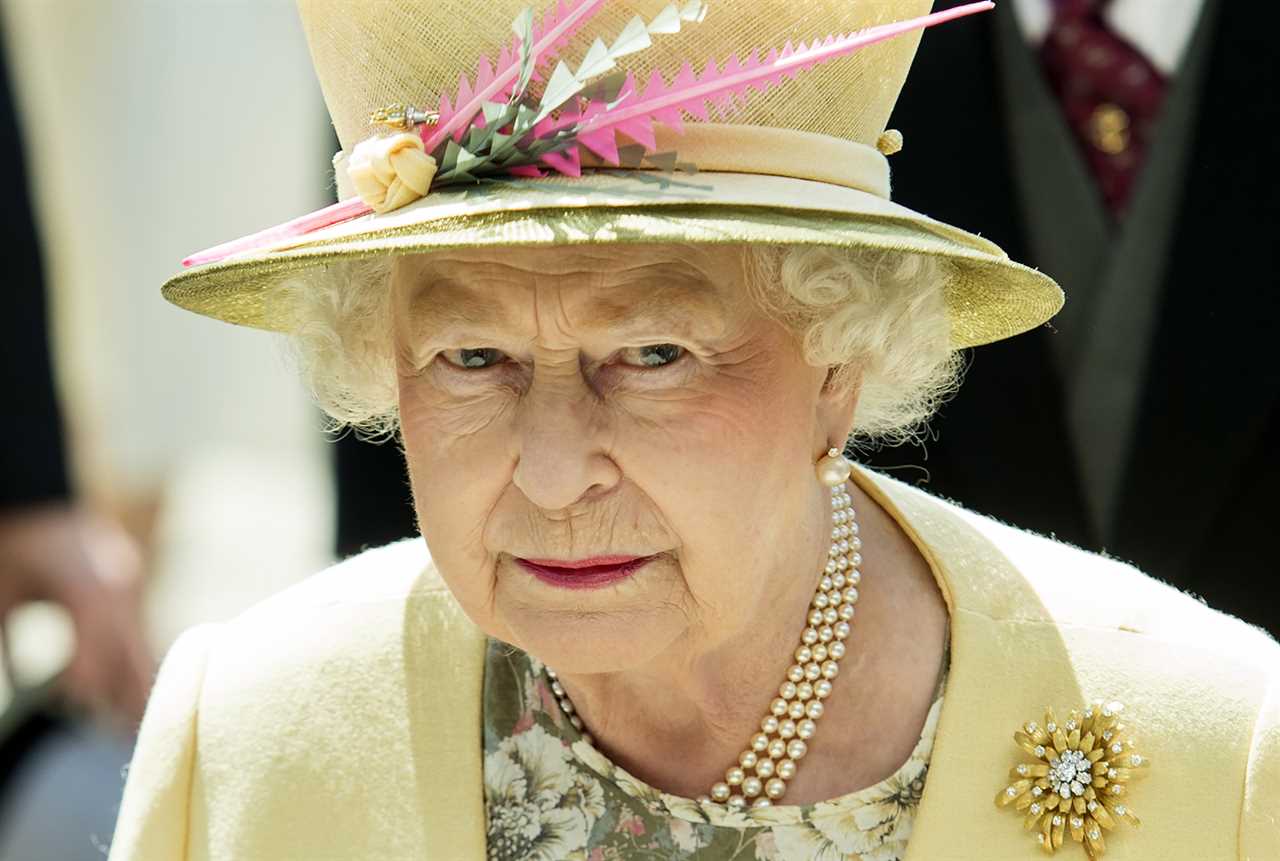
{"x":389,"y":172}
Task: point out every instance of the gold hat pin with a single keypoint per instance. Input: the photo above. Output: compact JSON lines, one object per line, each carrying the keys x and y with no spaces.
{"x":402,"y":118}
{"x":1078,"y":781}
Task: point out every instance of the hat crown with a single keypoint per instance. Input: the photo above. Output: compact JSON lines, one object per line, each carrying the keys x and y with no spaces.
{"x":372,"y":53}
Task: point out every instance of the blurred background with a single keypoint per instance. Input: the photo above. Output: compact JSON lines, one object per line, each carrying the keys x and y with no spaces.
{"x":164,"y":470}
{"x":149,"y":129}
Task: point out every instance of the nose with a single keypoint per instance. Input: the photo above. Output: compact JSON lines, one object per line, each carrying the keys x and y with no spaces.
{"x":561,"y":426}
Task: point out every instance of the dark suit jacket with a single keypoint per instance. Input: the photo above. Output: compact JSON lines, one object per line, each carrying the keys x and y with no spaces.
{"x":32,"y":468}
{"x":1197,"y":500}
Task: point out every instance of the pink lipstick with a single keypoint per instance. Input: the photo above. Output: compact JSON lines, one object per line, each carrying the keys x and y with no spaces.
{"x":587,"y":573}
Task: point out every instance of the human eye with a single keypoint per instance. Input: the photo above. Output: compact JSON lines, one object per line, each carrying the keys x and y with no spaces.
{"x":652,"y":356}
{"x":473,"y":358}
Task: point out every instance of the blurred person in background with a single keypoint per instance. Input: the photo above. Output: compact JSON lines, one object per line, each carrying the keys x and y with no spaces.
{"x":1120,"y":146}
{"x":141,"y":440}
{"x":54,"y":549}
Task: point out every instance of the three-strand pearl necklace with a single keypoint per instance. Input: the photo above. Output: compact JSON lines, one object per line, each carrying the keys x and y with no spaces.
{"x":771,"y":759}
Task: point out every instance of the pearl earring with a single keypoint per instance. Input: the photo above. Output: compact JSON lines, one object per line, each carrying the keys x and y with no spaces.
{"x":834,"y":469}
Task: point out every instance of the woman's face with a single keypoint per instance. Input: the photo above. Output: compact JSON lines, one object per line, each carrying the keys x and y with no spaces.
{"x":575,"y":402}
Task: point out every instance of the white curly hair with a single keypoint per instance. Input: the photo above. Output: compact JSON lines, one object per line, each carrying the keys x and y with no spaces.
{"x":876,"y":315}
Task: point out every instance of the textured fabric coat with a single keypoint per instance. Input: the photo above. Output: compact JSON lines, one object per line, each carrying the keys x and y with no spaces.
{"x":340,"y":719}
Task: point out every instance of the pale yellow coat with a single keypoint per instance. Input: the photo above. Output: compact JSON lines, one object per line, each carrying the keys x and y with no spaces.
{"x":340,"y":719}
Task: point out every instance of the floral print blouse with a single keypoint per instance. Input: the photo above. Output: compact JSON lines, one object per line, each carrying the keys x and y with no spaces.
{"x":549,"y":796}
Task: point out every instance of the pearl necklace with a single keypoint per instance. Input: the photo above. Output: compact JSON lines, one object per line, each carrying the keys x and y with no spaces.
{"x":772,"y":757}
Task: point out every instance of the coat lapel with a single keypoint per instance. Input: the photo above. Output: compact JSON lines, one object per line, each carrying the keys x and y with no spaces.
{"x":444,"y":679}
{"x":995,"y":683}
{"x":1036,"y":624}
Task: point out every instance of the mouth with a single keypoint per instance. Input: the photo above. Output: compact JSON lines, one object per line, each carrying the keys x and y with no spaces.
{"x":588,"y":573}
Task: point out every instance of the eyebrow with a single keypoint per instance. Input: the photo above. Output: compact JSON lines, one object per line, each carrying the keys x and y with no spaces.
{"x":653,"y":306}
{"x":461,"y":307}
{"x":649,"y":303}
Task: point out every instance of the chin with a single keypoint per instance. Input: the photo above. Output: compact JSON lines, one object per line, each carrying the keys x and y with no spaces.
{"x":586,"y":639}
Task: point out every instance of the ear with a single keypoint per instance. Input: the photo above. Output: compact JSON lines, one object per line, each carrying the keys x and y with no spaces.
{"x":837,"y":404}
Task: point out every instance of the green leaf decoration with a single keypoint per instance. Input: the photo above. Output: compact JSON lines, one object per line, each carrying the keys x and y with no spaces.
{"x":634,"y":37}
{"x":500,"y":141}
{"x":451,"y":150}
{"x":526,"y":116}
{"x":664,"y":161}
{"x":522,"y":26}
{"x":666,"y":21}
{"x":607,"y":89}
{"x":562,"y":85}
{"x":478,"y":137}
{"x":630,"y":155}
{"x":504,"y":141}
{"x":693,"y":11}
{"x":492,"y":111}
{"x":467,"y":160}
{"x":599,"y":60}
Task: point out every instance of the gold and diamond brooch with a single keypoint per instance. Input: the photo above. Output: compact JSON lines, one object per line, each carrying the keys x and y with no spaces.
{"x":1078,"y":782}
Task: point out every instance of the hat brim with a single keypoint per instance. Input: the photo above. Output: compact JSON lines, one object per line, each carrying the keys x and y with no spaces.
{"x":989,"y":296}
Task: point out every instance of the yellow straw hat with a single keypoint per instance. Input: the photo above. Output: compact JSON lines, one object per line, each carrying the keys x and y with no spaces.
{"x":800,"y":158}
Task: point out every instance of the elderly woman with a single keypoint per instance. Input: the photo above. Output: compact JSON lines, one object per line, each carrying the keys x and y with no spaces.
{"x":654,"y":612}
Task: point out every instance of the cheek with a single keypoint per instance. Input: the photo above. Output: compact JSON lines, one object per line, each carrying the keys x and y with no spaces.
{"x":726,"y":466}
{"x":737,"y":420}
{"x":456,"y":455}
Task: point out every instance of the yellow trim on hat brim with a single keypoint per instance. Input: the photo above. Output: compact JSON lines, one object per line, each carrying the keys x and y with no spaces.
{"x":989,"y":296}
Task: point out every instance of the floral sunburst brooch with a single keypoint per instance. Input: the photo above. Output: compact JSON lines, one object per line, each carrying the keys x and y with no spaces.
{"x":1078,"y":781}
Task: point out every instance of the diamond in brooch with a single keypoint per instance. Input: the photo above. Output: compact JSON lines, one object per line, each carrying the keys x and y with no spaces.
{"x":1080,"y":772}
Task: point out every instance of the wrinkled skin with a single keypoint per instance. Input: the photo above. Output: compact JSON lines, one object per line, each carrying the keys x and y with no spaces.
{"x":577,"y":434}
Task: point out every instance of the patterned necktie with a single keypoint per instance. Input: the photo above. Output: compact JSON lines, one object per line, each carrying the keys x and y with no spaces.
{"x":1109,"y":92}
